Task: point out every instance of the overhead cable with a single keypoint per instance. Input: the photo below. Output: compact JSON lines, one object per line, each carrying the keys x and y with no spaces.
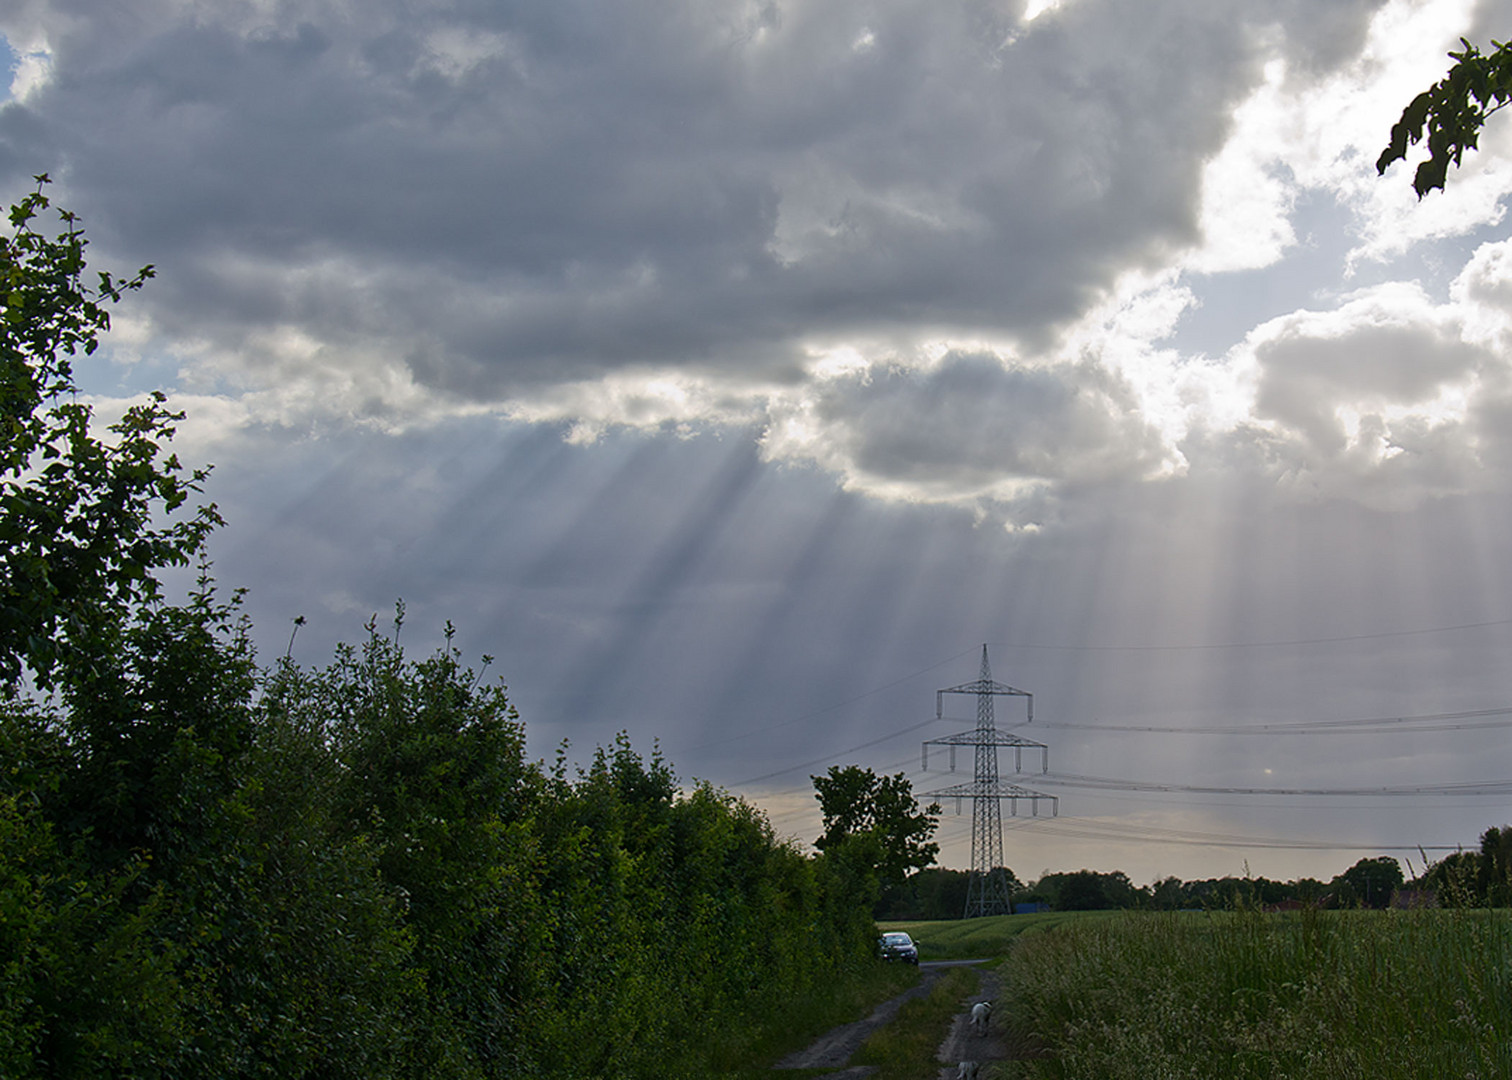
{"x":1105,"y":783}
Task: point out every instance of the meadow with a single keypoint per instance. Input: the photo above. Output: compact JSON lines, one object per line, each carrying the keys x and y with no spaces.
{"x":1252,"y":996}
{"x":987,"y":938}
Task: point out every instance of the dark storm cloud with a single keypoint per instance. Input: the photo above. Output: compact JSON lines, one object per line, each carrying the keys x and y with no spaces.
{"x":497,"y":196}
{"x":971,"y":422}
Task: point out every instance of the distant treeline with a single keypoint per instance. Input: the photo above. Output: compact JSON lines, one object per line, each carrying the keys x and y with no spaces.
{"x":1477,"y":879}
{"x":207,"y":869}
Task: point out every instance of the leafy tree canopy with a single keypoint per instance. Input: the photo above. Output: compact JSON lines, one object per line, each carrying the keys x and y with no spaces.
{"x":861,"y":807}
{"x":1370,"y":882}
{"x":1451,"y":112}
{"x":1088,"y":890}
{"x":80,"y":535}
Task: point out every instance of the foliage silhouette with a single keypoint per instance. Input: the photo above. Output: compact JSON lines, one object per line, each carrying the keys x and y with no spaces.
{"x":1449,"y":115}
{"x":877,"y":820}
{"x":79,"y":544}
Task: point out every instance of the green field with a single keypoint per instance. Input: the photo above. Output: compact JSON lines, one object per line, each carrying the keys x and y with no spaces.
{"x":1251,"y":996}
{"x":984,"y":938}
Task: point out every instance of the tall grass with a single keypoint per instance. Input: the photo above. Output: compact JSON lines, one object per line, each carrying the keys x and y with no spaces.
{"x":1335,"y":995}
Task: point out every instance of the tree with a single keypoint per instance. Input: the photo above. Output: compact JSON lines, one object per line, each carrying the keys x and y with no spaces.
{"x":1370,"y":882}
{"x":170,"y":902}
{"x":932,"y":893}
{"x":879,"y":814}
{"x":1455,"y":879}
{"x":1088,"y":890}
{"x":1451,"y":112}
{"x":1496,"y":867}
{"x":1167,"y":894}
{"x":1475,"y":878}
{"x":80,"y":543}
{"x":430,"y":769}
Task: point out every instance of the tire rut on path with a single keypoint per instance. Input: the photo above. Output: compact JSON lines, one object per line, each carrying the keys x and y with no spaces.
{"x":964,"y":1044}
{"x":835,"y":1047}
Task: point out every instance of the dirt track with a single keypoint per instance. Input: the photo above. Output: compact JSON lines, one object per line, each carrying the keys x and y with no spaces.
{"x":962,"y":1044}
{"x":834,"y":1048}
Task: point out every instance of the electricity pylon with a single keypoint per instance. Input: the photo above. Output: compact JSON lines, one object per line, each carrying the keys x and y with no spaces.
{"x":987,"y":887}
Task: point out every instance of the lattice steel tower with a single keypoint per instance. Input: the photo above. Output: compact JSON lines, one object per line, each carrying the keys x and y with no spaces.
{"x":987,"y":887}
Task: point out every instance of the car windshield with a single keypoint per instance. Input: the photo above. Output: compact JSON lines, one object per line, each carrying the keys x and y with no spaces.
{"x":896,"y":939}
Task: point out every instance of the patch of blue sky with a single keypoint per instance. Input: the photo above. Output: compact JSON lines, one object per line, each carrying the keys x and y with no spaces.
{"x":124,"y":373}
{"x":1314,"y":276}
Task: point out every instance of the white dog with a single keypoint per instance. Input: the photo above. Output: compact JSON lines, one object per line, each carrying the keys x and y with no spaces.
{"x":981,"y":1014}
{"x":967,"y":1070}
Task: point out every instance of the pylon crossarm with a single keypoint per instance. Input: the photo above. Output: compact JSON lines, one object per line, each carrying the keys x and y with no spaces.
{"x":978,"y":689}
{"x":978,"y":790}
{"x":990,"y":737}
{"x":985,"y":686}
{"x":977,"y":737}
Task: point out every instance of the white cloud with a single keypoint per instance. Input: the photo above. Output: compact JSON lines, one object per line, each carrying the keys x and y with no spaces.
{"x":457,"y":51}
{"x":1483,"y":293}
{"x":25,"y":40}
{"x":1369,"y":401}
{"x":1309,"y":129}
{"x":33,"y":68}
{"x":655,"y":401}
{"x":1033,"y":9}
{"x":1246,"y":204}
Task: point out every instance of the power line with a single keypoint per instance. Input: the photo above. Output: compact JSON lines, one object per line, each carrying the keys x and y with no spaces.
{"x":1084,"y":830}
{"x":1104,"y":783}
{"x":1159,"y":798}
{"x":1283,"y":643}
{"x":1177,"y":647}
{"x":766,"y":728}
{"x":1403,"y":724}
{"x":885,"y":770}
{"x":1375,"y":725}
{"x":832,"y":756}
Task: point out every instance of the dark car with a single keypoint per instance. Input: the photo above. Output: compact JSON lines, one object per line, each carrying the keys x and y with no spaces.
{"x":898,"y":946}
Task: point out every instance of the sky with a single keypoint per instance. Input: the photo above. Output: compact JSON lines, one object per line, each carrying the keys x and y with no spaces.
{"x":731,"y":372}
